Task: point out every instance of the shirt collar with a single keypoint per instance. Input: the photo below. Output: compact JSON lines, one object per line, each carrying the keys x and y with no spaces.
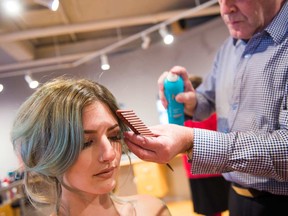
{"x":278,"y":28}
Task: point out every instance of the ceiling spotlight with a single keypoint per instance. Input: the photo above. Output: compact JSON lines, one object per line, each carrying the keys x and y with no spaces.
{"x":51,"y":4}
{"x":1,"y":87}
{"x":167,"y":37}
{"x":11,"y":7}
{"x":104,"y":62}
{"x":32,"y":83}
{"x":146,"y":41}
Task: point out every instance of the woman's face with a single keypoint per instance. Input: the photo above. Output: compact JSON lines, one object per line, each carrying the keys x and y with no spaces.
{"x":244,"y":18}
{"x":95,"y":170}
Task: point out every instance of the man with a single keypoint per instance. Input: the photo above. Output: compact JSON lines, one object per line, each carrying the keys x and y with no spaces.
{"x":248,"y":88}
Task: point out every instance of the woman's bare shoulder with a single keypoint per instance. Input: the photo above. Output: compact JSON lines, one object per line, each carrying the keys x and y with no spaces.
{"x":148,"y":205}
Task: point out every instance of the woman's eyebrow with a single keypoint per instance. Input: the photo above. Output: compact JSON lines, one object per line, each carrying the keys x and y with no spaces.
{"x":95,"y":131}
{"x":113,"y":127}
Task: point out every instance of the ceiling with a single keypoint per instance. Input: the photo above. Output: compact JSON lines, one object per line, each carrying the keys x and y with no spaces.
{"x":38,"y":39}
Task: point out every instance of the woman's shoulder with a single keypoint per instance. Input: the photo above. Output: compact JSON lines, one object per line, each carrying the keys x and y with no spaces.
{"x":148,"y":205}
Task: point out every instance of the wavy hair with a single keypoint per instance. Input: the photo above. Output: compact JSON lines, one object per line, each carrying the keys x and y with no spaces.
{"x":47,"y":134}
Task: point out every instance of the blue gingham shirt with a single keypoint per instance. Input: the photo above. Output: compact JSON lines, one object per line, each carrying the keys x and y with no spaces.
{"x":248,"y":88}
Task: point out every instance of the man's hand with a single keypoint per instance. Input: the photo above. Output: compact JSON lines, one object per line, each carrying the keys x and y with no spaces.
{"x":170,"y":140}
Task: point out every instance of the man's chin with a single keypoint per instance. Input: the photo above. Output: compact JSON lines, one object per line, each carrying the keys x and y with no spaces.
{"x":239,"y":34}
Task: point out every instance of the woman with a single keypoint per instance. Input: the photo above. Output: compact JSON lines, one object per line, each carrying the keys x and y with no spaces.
{"x":69,"y":141}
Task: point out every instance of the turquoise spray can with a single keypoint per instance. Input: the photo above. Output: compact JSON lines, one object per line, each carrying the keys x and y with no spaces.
{"x":173,"y":85}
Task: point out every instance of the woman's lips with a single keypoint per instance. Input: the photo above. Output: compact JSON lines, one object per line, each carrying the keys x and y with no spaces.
{"x":106,"y":173}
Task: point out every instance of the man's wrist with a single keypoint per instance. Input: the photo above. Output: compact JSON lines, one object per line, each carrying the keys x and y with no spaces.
{"x":189,"y":153}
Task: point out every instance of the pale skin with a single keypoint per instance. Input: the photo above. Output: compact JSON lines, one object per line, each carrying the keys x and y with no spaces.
{"x":94,"y":174}
{"x":243,"y":18}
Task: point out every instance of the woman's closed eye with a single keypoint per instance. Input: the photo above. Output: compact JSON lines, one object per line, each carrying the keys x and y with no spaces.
{"x":116,"y":138}
{"x":112,"y":139}
{"x":87,"y":144}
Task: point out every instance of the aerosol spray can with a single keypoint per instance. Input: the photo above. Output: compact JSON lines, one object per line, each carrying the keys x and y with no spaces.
{"x":174,"y":85}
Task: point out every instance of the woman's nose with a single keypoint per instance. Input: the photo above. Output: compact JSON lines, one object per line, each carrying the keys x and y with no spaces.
{"x":107,"y":151}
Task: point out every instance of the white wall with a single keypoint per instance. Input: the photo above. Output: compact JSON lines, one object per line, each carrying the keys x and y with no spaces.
{"x":132,"y":78}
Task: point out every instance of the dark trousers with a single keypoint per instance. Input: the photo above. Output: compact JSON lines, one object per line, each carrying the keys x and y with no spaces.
{"x":209,"y":195}
{"x":266,"y":205}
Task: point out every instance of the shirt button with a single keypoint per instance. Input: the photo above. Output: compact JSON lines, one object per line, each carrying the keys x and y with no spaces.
{"x":234,"y":106}
{"x":247,"y":56}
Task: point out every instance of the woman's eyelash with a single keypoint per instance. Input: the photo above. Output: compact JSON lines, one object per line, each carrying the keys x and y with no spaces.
{"x":87,"y":144}
{"x":116,"y":138}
